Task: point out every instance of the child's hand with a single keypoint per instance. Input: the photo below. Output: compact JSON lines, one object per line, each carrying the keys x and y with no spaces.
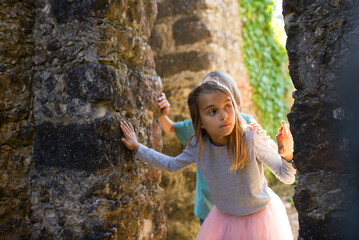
{"x":254,"y":126}
{"x":257,"y":126}
{"x":130,"y":139}
{"x":285,"y":142}
{"x":164,"y":104}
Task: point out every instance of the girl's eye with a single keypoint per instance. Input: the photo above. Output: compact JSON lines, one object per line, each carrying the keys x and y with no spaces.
{"x":229,"y":106}
{"x":212,"y":112}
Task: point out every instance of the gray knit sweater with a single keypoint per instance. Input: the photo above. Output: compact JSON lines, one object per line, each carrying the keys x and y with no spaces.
{"x":242,"y":192}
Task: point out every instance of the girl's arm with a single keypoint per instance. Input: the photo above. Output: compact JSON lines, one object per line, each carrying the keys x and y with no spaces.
{"x":164,"y":162}
{"x":166,"y":123}
{"x":183,"y":129}
{"x":153,"y":157}
{"x":281,"y":168}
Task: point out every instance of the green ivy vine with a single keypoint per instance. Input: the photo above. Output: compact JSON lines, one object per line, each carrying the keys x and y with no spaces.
{"x":265,"y":59}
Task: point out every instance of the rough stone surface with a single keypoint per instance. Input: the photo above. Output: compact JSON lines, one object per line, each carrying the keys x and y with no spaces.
{"x":16,"y":117}
{"x":168,"y":8}
{"x":70,"y":72}
{"x":191,"y":38}
{"x":175,"y":63}
{"x":317,"y":45}
{"x":190,"y":29}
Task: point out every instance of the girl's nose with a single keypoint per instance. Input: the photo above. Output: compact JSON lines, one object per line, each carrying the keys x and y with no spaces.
{"x":223,"y":115}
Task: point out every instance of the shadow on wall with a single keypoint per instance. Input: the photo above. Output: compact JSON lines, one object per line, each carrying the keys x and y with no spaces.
{"x":349,"y":89}
{"x":350,"y":92}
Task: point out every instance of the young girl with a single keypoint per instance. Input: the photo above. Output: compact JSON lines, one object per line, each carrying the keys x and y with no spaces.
{"x":231,"y":160}
{"x":203,"y":202}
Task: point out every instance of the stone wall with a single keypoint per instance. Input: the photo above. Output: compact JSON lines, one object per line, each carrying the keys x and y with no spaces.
{"x":16,"y":116}
{"x":191,"y":38}
{"x":320,"y":35}
{"x":70,"y":72}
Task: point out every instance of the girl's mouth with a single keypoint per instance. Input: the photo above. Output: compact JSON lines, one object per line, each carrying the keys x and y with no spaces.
{"x":225,"y":125}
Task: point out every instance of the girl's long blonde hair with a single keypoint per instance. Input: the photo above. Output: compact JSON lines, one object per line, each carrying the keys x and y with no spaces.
{"x":236,"y":141}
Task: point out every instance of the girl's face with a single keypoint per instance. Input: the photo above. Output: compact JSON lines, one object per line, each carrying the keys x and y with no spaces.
{"x":217,"y":116}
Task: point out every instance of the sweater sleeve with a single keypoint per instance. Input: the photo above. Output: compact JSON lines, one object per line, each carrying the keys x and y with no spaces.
{"x":163,"y":161}
{"x":282,"y":169}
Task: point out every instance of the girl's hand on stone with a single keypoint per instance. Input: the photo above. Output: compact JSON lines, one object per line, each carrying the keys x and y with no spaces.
{"x":130,"y":139}
{"x":164,"y":104}
{"x":285,"y":142}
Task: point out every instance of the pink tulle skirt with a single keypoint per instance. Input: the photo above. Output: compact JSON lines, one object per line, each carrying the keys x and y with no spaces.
{"x":269,"y":223}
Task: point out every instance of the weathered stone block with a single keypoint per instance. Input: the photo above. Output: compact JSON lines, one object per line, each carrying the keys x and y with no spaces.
{"x":155,"y":41}
{"x":173,"y":7}
{"x":87,"y":147}
{"x":324,"y":228}
{"x":324,"y":145}
{"x":326,"y":199}
{"x":90,"y":82}
{"x":66,"y":11}
{"x":143,"y":13}
{"x":67,"y":147}
{"x":190,"y":29}
{"x":167,"y":65}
